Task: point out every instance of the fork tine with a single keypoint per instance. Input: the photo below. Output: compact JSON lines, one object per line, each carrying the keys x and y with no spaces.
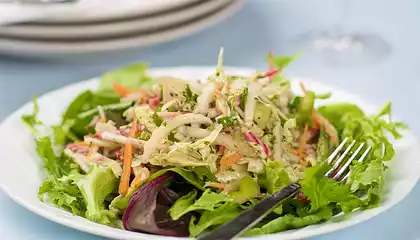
{"x":361,"y":159}
{"x":349,"y":161}
{"x":340,"y":159}
{"x":336,"y":151}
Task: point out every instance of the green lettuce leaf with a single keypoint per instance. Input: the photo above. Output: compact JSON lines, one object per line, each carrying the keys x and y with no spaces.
{"x":248,"y":189}
{"x":118,"y":107}
{"x":291,"y":222}
{"x":219,"y":216}
{"x":306,"y":106}
{"x":82,"y":110}
{"x":208,"y":201}
{"x":95,"y":187}
{"x":80,"y":104}
{"x":339,"y":113}
{"x":323,"y":95}
{"x":284,"y":61}
{"x":204,"y":174}
{"x":275,"y":177}
{"x":281,"y":62}
{"x":182,"y":204}
{"x":133,"y":76}
{"x":31,"y":120}
{"x":56,"y":166}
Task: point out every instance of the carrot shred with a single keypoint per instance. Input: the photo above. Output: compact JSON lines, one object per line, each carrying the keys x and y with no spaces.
{"x":315,"y":122}
{"x":220,"y":186}
{"x":121,"y":90}
{"x":303,"y":140}
{"x":127,"y":160}
{"x":327,"y":126}
{"x":229,"y":160}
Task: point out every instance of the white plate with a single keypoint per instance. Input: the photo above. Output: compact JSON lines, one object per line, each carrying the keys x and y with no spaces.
{"x":21,"y":172}
{"x":39,"y":31}
{"x":39,"y":47}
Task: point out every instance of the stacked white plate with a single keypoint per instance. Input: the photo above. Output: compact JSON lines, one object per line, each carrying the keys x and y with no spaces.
{"x":114,"y":25}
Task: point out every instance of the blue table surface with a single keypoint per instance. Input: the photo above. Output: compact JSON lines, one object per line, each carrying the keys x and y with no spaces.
{"x":260,"y":26}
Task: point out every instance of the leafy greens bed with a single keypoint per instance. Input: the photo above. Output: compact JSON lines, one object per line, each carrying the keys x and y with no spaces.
{"x":173,"y":157}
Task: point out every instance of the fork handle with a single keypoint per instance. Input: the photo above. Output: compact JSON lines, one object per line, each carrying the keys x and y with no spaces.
{"x":252,"y":216}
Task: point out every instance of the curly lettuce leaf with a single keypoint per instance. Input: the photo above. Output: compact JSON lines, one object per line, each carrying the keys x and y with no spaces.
{"x":373,"y":131}
{"x":95,"y":187}
{"x":218,"y":216}
{"x":275,"y":177}
{"x":56,"y":166}
{"x":63,"y":194}
{"x":351,"y":122}
{"x":368,"y":177}
{"x":291,"y":222}
{"x":322,"y":191}
{"x":133,"y":76}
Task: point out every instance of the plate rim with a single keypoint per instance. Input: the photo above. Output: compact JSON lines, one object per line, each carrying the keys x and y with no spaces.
{"x":98,"y":229}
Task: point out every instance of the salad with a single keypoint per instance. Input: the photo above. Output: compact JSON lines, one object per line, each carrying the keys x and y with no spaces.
{"x":174,"y":157}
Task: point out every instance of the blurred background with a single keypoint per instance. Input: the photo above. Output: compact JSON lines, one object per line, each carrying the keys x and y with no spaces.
{"x":368,"y":47}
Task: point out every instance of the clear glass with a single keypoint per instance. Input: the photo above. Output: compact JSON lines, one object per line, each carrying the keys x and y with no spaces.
{"x":337,"y":46}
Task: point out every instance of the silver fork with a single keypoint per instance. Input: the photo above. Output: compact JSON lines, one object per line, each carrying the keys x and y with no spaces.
{"x":252,"y":216}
